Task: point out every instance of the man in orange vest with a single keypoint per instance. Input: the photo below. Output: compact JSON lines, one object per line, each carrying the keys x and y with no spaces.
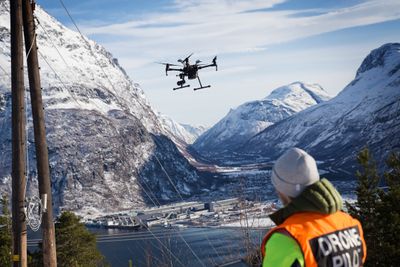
{"x":311,"y":228}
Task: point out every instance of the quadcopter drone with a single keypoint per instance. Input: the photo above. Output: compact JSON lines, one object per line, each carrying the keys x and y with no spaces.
{"x":189,"y":70}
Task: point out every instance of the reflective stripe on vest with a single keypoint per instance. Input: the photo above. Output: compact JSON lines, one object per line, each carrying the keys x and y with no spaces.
{"x":326,"y":240}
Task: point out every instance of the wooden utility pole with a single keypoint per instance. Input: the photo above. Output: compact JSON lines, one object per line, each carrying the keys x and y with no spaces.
{"x":18,"y":136}
{"x":42,"y":157}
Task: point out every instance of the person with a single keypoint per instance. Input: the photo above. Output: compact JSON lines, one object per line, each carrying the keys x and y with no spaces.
{"x":312,"y":230}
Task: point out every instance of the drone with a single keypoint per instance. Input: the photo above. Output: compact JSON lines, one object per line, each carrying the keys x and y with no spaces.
{"x":189,"y":70}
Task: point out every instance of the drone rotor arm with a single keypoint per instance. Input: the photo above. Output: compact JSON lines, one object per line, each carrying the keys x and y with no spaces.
{"x":172,"y":69}
{"x":206,"y":66}
{"x":163,"y":63}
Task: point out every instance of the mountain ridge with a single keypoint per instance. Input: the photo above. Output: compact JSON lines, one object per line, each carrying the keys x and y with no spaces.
{"x":107,"y":146}
{"x":365,"y":113}
{"x":252,"y":117}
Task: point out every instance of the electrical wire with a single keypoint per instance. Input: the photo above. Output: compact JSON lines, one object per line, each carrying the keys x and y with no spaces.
{"x":26,"y":144}
{"x":5,"y":72}
{"x":26,"y":141}
{"x":169,"y":178}
{"x":77,"y":28}
{"x":27,"y":125}
{"x":180,"y":235}
{"x":59,"y":78}
{"x":63,"y":59}
{"x":180,"y":195}
{"x":49,"y":38}
{"x":6,"y":111}
{"x":30,"y":49}
{"x":90,"y":47}
{"x":115,"y":94}
{"x":97,"y":60}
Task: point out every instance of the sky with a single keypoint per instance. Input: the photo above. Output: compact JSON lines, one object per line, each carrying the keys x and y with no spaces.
{"x":261,"y":45}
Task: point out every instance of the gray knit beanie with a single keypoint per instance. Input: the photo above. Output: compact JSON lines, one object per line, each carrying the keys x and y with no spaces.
{"x":293,"y":172}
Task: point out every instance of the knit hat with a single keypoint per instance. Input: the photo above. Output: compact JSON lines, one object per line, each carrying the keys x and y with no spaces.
{"x":293,"y":172}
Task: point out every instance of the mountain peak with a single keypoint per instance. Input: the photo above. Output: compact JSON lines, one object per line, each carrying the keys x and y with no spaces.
{"x":250,"y":118}
{"x":379,"y":57}
{"x":299,"y":93}
{"x":104,"y":138}
{"x":299,"y":89}
{"x":364,"y":114}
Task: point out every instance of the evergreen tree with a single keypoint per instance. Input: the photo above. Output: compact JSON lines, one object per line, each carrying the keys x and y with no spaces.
{"x":5,"y":233}
{"x":76,"y":246}
{"x":378,"y":209}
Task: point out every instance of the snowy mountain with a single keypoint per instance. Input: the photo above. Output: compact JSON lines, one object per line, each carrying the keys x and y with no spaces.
{"x":194,"y":130}
{"x":247,"y":120}
{"x":365,"y":114}
{"x":108,"y":149}
{"x":181,"y":132}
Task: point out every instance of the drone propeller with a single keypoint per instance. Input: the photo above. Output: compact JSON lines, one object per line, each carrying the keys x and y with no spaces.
{"x":166,"y":64}
{"x":186,"y":59}
{"x":214,"y":61}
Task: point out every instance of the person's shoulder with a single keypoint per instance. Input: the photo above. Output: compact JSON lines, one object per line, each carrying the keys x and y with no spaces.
{"x":282,"y":250}
{"x":281,"y":239}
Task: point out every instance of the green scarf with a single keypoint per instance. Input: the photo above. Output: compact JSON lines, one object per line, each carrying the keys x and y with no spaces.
{"x":321,"y":197}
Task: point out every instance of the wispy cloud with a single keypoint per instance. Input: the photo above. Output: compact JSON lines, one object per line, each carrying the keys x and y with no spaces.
{"x":254,"y":42}
{"x":226,"y":27}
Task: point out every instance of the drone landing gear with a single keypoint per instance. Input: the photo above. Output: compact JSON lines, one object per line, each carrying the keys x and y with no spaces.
{"x":201,"y":86}
{"x":181,"y":83}
{"x":181,"y":87}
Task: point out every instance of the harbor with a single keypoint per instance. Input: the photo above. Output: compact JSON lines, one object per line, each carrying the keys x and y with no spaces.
{"x":232,"y":212}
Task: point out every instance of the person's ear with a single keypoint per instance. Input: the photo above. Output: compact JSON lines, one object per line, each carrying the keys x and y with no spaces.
{"x":284,"y":198}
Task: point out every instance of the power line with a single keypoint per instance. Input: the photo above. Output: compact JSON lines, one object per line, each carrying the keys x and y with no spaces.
{"x":63,"y":59}
{"x":90,"y":48}
{"x":5,"y":72}
{"x":164,"y":246}
{"x":112,"y":85}
{"x":30,"y":48}
{"x":180,"y":235}
{"x":58,"y":77}
{"x":97,"y":60}
{"x":48,"y":36}
{"x":169,"y":178}
{"x":151,"y":192}
{"x":151,"y":199}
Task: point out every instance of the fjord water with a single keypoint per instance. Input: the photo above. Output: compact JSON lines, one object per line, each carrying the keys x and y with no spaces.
{"x":213,"y":246}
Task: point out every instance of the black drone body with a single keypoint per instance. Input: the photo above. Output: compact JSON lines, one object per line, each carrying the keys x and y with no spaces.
{"x":191,"y":71}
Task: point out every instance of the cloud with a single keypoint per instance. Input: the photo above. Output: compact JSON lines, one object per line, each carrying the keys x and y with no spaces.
{"x":244,"y":34}
{"x":226,"y":27}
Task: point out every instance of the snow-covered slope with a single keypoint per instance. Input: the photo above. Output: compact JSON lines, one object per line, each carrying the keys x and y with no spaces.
{"x":365,"y":114}
{"x":181,"y":132}
{"x":247,"y":120}
{"x":108,"y":149}
{"x":194,"y":130}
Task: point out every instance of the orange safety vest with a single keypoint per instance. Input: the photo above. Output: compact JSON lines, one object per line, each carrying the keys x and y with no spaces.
{"x":325,"y":239}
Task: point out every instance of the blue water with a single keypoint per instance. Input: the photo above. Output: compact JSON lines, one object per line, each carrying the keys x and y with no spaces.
{"x":167,"y":246}
{"x":208,"y":246}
